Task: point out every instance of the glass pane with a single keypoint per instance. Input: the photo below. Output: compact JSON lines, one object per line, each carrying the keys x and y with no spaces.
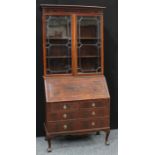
{"x":58,"y":27}
{"x":89,"y":44}
{"x":88,"y":27}
{"x":58,"y":44}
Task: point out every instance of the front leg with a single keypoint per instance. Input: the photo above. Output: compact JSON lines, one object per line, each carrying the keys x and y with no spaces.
{"x":106,"y":138}
{"x":49,"y":149}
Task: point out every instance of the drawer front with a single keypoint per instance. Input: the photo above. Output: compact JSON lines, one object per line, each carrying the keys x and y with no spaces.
{"x":65,"y":115}
{"x":76,"y":105}
{"x":93,"y":112}
{"x":92,"y":104}
{"x":79,"y":124}
{"x":62,"y":115}
{"x":51,"y":107}
{"x":94,"y":123}
{"x":60,"y":126}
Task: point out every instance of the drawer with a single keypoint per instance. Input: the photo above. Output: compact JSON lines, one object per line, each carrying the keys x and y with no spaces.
{"x":65,"y":115}
{"x":60,"y":126}
{"x":93,"y":112}
{"x":94,"y":123}
{"x":92,"y":104}
{"x":79,"y":124}
{"x":62,"y":115}
{"x":61,"y":106}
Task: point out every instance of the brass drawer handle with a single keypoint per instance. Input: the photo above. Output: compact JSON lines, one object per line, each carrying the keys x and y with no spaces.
{"x":64,"y":115}
{"x":93,"y":123}
{"x":93,"y":104}
{"x":65,"y":126}
{"x":65,"y":107}
{"x":93,"y":113}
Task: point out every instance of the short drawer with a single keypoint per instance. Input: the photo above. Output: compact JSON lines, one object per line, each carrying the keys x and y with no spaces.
{"x":92,"y":104}
{"x":62,"y":115}
{"x":93,"y":112}
{"x":61,"y":126}
{"x":65,"y":115}
{"x":94,"y":123}
{"x":79,"y":124}
{"x":51,"y":107}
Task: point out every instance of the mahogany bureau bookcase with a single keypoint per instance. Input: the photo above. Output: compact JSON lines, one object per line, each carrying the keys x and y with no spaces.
{"x":77,"y":97}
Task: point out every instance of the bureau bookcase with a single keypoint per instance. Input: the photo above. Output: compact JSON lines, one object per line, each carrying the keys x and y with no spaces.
{"x":77,"y":96}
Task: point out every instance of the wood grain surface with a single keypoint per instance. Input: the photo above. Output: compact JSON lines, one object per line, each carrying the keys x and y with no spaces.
{"x":73,"y":88}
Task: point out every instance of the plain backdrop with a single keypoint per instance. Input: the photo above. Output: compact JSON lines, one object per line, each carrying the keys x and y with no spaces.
{"x":111,"y":57}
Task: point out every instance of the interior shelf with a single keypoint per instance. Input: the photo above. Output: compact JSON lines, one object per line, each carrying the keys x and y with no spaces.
{"x":88,"y":70}
{"x":88,"y":56}
{"x":59,"y":69}
{"x":88,"y":38}
{"x":63,"y":57}
{"x":52,"y":38}
{"x":57,"y":57}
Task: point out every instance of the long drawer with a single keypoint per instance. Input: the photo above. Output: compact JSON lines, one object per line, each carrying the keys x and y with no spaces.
{"x":78,"y":124}
{"x":83,"y":113}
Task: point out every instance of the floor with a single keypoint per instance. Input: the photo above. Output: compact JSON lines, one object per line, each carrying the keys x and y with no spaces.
{"x":85,"y":145}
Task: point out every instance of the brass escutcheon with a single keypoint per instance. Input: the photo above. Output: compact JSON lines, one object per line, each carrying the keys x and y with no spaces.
{"x":93,"y":123}
{"x":93,"y":113}
{"x":65,"y":126}
{"x":65,"y":107}
{"x":93,"y":104}
{"x":64,"y":115}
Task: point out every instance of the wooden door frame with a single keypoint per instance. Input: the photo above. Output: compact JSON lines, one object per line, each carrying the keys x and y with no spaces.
{"x":102,"y":44}
{"x":73,"y":42}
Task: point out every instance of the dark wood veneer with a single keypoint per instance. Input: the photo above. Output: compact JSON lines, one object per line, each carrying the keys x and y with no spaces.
{"x":74,"y":114}
{"x":77,"y":124}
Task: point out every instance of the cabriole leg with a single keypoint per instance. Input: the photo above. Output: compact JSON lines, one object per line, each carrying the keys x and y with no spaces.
{"x":107,"y":137}
{"x":49,"y":149}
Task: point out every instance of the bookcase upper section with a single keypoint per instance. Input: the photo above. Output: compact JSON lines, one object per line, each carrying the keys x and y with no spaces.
{"x":73,"y":41}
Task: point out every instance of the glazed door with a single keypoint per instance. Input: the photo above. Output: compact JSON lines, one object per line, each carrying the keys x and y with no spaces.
{"x":89,"y":45}
{"x":58,"y":44}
